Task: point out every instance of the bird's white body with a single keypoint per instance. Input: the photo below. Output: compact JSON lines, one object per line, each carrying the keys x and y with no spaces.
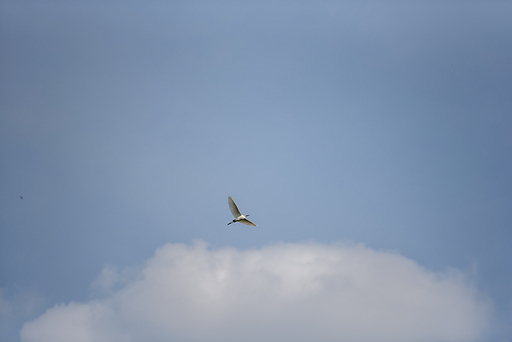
{"x":237,"y":214}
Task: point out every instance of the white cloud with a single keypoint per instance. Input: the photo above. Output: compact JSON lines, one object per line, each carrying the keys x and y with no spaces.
{"x":285,"y":292}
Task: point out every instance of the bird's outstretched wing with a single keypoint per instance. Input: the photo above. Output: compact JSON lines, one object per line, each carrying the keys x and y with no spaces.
{"x":234,"y":209}
{"x":247,"y":222}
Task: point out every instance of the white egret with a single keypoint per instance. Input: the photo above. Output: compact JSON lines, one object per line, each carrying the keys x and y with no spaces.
{"x":236,"y":213}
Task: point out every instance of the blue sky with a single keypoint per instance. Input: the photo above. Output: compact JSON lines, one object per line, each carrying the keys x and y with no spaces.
{"x":125,"y":127}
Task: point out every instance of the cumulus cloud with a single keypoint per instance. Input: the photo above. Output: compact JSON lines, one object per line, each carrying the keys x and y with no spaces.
{"x":284,"y":292}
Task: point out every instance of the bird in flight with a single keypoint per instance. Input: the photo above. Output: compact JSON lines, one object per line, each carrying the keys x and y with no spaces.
{"x":236,"y":213}
{"x":21,"y":197}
